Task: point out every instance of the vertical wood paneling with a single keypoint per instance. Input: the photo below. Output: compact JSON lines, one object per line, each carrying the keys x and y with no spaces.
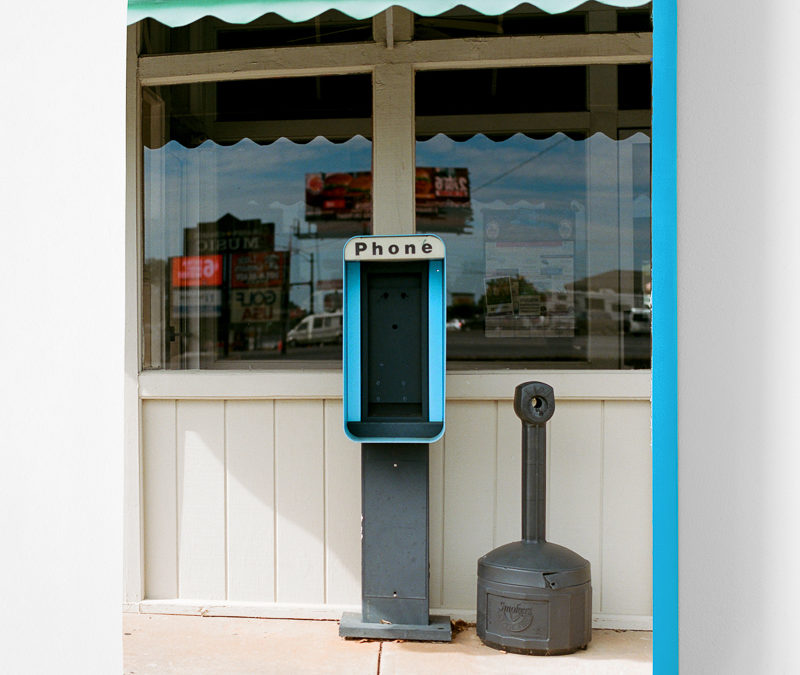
{"x":508,"y":507}
{"x":160,"y":500}
{"x":575,"y":485}
{"x":299,"y":498}
{"x":280,"y":484}
{"x":469,"y":496}
{"x":201,"y":499}
{"x":342,"y":510}
{"x":249,"y":441}
{"x":627,"y":510}
{"x":436,"y":520}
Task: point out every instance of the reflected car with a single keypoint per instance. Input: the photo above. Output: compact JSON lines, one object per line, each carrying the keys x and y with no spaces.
{"x":639,"y":320}
{"x":455,"y":324}
{"x":317,"y":329}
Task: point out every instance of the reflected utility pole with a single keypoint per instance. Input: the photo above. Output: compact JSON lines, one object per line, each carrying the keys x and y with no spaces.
{"x":310,"y":258}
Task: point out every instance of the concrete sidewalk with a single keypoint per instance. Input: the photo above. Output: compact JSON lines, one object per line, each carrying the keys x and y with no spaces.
{"x":158,"y":643}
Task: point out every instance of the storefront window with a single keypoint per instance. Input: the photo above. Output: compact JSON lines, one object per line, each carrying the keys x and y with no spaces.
{"x":250,"y":190}
{"x":536,"y":176}
{"x":547,"y":232}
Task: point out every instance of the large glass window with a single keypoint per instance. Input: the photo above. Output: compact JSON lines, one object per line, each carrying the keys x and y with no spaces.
{"x":536,"y":176}
{"x":250,"y":190}
{"x":546,"y":220}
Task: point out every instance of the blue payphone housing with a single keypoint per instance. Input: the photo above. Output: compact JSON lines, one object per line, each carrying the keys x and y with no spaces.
{"x":394,"y":375}
{"x":394,"y":338}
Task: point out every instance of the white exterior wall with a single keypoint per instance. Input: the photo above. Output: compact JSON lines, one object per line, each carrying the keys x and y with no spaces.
{"x":738,"y":369}
{"x":62,"y":191}
{"x":252,"y":504}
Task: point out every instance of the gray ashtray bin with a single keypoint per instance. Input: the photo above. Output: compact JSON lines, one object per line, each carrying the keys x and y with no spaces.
{"x":534,"y":597}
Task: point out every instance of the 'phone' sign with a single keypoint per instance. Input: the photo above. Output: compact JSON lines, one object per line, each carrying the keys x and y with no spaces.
{"x":418,"y":247}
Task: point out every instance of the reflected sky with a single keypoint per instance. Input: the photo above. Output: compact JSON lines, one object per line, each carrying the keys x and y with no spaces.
{"x":599,"y":186}
{"x":184,"y":186}
{"x":602,"y":186}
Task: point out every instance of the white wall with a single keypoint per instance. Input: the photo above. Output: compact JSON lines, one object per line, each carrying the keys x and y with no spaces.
{"x":738,"y":295}
{"x":61,"y":368}
{"x":253,"y":506}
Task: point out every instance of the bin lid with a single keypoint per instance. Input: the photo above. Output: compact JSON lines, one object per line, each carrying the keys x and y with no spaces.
{"x":538,"y":564}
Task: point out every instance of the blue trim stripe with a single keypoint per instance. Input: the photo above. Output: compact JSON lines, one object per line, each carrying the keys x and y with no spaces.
{"x":436,"y":344}
{"x":665,"y":340}
{"x":352,"y":342}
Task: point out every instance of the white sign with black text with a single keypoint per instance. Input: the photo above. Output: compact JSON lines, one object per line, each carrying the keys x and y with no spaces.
{"x":410,"y":247}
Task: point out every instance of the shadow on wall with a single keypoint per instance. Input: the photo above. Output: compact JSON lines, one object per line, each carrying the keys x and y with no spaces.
{"x":260,"y":501}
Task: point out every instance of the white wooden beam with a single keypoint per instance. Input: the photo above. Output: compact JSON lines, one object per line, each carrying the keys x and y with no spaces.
{"x":544,"y":50}
{"x":603,"y":99}
{"x":222,"y":132}
{"x":296,"y":380}
{"x":508,"y":123}
{"x":537,"y":50}
{"x":634,"y":119}
{"x":426,"y":125}
{"x":402,"y":26}
{"x":393,"y":169}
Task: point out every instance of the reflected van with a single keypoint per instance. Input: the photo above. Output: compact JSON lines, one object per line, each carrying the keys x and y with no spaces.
{"x":317,"y":329}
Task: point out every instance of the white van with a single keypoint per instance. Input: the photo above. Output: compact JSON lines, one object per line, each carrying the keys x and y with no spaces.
{"x":317,"y":329}
{"x":639,"y":321}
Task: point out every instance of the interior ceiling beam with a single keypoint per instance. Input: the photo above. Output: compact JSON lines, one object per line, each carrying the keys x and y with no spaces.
{"x":499,"y":52}
{"x":551,"y":122}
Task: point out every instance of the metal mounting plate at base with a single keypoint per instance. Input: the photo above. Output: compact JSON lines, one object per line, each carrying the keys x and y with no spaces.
{"x":438,"y":630}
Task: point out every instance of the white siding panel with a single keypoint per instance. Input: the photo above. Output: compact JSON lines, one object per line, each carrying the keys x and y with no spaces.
{"x":259,"y":501}
{"x":575,"y":483}
{"x":508,"y":508}
{"x":250,"y":490}
{"x":469,"y":496}
{"x":159,"y":500}
{"x":299,"y":497}
{"x":201,"y":499}
{"x":627,"y":509}
{"x":342,"y":510}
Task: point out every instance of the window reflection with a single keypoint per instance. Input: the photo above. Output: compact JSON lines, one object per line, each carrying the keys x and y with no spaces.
{"x":243,"y":241}
{"x":548,"y":257}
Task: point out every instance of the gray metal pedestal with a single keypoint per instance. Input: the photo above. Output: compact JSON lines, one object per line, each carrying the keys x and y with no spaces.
{"x":394,"y":548}
{"x":438,"y":630}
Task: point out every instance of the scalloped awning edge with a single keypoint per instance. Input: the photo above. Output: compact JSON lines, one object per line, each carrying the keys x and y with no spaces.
{"x":181,"y":12}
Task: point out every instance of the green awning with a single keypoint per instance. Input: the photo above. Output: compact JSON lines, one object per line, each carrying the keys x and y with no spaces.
{"x":181,"y":12}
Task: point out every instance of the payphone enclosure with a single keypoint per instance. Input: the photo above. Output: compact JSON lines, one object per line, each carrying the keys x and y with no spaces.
{"x":394,"y":385}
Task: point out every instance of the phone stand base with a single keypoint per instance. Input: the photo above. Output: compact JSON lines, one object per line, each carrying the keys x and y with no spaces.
{"x":438,"y":630}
